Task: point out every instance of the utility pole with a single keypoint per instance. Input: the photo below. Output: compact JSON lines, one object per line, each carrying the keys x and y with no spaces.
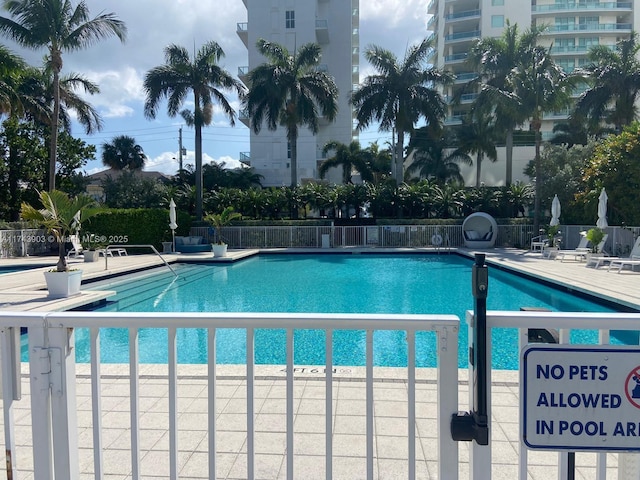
{"x":180,"y":148}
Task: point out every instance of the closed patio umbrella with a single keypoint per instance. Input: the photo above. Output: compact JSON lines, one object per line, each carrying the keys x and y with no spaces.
{"x":172,"y":222}
{"x":602,"y":210}
{"x":555,"y":211}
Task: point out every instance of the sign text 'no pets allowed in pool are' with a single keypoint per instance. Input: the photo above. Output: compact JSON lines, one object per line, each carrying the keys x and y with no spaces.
{"x":580,"y":397}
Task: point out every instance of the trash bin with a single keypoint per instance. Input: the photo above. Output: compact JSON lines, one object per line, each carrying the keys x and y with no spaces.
{"x":325,"y":240}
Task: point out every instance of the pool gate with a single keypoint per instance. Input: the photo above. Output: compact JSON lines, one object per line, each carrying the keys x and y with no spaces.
{"x":52,"y":436}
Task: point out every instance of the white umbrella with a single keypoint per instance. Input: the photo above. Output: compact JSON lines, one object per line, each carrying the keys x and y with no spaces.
{"x":602,"y":210}
{"x":172,"y":222}
{"x":555,"y":211}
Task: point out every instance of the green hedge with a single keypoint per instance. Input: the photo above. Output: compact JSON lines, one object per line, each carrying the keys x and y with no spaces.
{"x":140,"y":226}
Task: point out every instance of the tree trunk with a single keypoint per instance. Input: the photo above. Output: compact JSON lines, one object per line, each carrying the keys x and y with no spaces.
{"x":509,"y":154}
{"x":399,"y":170}
{"x":536,"y":208}
{"x":53,"y":144}
{"x":478,"y":169}
{"x":198,"y":171}
{"x":292,"y":138}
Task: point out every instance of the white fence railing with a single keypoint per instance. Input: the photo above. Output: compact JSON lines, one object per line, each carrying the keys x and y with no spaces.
{"x":620,"y":239}
{"x":20,"y":243}
{"x":480,"y":467}
{"x":52,"y":371}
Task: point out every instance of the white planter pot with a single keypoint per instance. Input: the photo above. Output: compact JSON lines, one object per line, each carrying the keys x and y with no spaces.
{"x":90,"y":255}
{"x":219,"y":250}
{"x":63,"y":284}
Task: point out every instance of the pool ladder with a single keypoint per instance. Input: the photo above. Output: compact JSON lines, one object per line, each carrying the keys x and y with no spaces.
{"x":106,"y":256}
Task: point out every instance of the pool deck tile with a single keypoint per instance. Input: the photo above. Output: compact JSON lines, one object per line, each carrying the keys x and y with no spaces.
{"x":348,"y":423}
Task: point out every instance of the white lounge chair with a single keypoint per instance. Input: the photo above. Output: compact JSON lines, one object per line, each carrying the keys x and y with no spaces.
{"x":631,"y":261}
{"x":77,"y":247}
{"x":579,"y":252}
{"x":600,"y":260}
{"x":539,"y":243}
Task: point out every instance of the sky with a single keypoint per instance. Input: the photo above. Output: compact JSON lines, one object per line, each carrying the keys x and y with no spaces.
{"x":119,"y":70}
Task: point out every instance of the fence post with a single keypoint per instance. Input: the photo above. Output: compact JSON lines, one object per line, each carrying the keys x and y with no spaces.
{"x":39,"y":370}
{"x":63,"y":402}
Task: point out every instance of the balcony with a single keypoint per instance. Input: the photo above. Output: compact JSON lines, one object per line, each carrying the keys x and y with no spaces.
{"x":456,"y":58}
{"x":462,"y":36}
{"x":242,"y":30}
{"x":243,"y":116}
{"x":462,"y":15}
{"x":465,"y":77}
{"x":582,"y":6}
{"x":322,"y":31}
{"x":590,"y":27}
{"x":243,"y":72}
{"x":432,"y":8}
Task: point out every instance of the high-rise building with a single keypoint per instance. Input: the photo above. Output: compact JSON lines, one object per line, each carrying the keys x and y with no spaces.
{"x":332,"y":24}
{"x":572,"y":26}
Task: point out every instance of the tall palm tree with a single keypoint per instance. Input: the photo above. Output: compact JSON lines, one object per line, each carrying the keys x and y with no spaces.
{"x":12,"y":67}
{"x":477,"y":135}
{"x":203,"y":77}
{"x":350,"y":157}
{"x":58,"y":26}
{"x":494,"y":59}
{"x":540,"y":86}
{"x":123,"y":153}
{"x":289,"y":91}
{"x":434,"y":158}
{"x":399,"y":94}
{"x":615,"y":75}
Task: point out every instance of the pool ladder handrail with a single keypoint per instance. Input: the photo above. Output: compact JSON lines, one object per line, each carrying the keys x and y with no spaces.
{"x":106,"y":256}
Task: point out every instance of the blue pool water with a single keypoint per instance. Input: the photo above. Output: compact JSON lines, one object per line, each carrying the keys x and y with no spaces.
{"x":369,"y":283}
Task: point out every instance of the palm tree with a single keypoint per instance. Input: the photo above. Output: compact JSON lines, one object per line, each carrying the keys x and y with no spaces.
{"x":379,"y":162}
{"x":58,"y":26}
{"x":434,"y":158}
{"x":289,"y":91}
{"x":540,"y":86}
{"x":399,"y":94}
{"x":350,"y":156}
{"x":205,"y":79}
{"x":494,"y":59}
{"x":12,"y":68}
{"x":123,"y":153}
{"x":477,"y":135}
{"x":616,"y":84}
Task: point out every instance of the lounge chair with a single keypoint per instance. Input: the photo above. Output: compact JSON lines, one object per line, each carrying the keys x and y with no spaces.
{"x":539,"y":243}
{"x":579,"y":252}
{"x":600,"y":260}
{"x":631,"y":261}
{"x":77,"y":247}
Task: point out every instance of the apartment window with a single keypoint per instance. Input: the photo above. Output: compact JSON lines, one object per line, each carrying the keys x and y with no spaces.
{"x":288,"y":152}
{"x":497,"y":21}
{"x":591,"y":22}
{"x":497,"y":3}
{"x":567,"y":64}
{"x":562,"y":23}
{"x":588,"y":41}
{"x":290,"y":19}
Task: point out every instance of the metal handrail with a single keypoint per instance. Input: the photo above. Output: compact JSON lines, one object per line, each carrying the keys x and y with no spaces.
{"x":106,"y":256}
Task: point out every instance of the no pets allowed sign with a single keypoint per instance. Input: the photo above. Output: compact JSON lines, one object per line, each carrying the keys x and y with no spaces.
{"x":580,"y":398}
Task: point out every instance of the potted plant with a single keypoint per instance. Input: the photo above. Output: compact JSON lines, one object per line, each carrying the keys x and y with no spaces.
{"x":552,"y":231}
{"x":595,"y":236}
{"x":219,"y":220}
{"x":93,"y":244}
{"x":60,"y":216}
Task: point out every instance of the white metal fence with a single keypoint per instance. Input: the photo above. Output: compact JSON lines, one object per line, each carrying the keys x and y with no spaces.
{"x":620,"y":239}
{"x":20,"y":243}
{"x":52,"y":372}
{"x":480,"y":467}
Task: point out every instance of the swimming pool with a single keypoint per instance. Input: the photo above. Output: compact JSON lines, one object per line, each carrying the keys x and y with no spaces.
{"x":20,"y":268}
{"x":332,"y":283}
